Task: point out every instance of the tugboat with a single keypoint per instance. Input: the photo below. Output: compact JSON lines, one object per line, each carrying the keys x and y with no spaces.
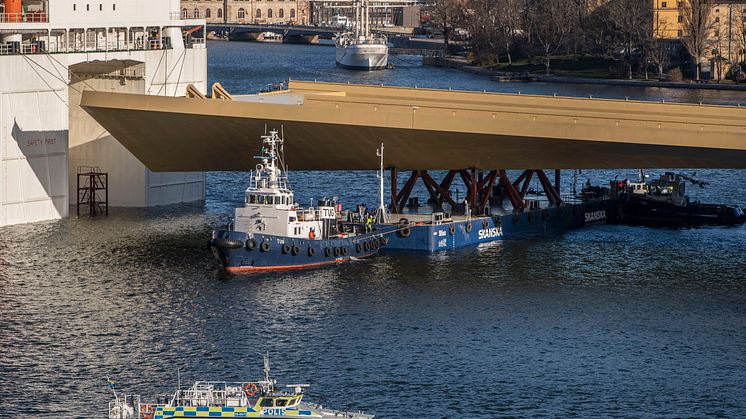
{"x":272,"y":232}
{"x":664,"y":202}
{"x":249,"y":399}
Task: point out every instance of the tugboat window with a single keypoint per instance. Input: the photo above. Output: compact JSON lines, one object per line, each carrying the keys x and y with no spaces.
{"x":266,"y":403}
{"x":281,"y":402}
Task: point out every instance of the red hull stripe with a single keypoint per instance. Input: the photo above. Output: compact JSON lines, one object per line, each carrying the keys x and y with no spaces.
{"x":243,"y":269}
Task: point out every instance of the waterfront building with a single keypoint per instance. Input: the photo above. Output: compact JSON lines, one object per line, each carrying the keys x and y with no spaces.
{"x":291,"y":12}
{"x":50,"y":52}
{"x":726,"y":31}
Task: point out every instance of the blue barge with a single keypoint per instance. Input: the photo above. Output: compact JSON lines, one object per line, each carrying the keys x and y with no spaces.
{"x":432,"y":233}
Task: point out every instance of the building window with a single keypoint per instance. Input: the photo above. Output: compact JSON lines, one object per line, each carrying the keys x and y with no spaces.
{"x":196,"y":13}
{"x":75,"y":7}
{"x":717,"y":19}
{"x":258,"y":13}
{"x":664,"y":4}
{"x":208,"y":13}
{"x":681,"y":19}
{"x":281,"y":13}
{"x":114,"y":7}
{"x":241,"y":13}
{"x":184,"y":14}
{"x":292,"y":13}
{"x":100,"y":7}
{"x":220,"y":12}
{"x":269,"y":13}
{"x":87,"y":7}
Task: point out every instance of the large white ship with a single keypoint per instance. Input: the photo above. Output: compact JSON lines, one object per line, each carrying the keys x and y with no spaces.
{"x":53,"y":50}
{"x":359,"y":49}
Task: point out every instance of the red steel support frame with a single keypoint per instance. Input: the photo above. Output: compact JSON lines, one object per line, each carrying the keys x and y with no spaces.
{"x":552,"y":193}
{"x":394,"y":187}
{"x":515,"y":199}
{"x":479,"y":191}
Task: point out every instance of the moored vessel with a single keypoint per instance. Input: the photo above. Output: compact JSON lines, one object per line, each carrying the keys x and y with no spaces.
{"x":664,"y":202}
{"x":273,"y":232}
{"x":359,"y":49}
{"x":247,"y":399}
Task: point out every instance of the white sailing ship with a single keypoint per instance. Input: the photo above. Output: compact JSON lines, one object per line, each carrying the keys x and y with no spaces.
{"x":359,"y":49}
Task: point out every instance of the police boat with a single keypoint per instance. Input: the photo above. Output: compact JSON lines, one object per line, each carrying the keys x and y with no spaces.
{"x":247,"y":399}
{"x":272,"y":232}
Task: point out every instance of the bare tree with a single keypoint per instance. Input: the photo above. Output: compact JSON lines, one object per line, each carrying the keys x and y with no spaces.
{"x":658,"y":49}
{"x":696,"y":25}
{"x":550,"y":23}
{"x":508,"y":23}
{"x":481,"y":20}
{"x":446,"y":15}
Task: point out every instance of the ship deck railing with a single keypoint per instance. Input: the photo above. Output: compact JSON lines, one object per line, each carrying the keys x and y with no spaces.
{"x":41,"y":46}
{"x":28,"y":17}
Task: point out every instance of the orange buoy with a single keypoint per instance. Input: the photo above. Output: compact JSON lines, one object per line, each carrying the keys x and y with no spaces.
{"x":250,"y":389}
{"x":13,"y":10}
{"x":147,"y":411}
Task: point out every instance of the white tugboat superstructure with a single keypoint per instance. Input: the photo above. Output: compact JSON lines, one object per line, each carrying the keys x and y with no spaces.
{"x":273,"y":232}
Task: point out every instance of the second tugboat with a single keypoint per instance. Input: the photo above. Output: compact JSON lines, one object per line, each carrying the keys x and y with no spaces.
{"x":272,"y":232}
{"x":664,"y":202}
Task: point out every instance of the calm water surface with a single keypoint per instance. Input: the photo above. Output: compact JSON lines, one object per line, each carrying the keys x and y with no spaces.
{"x":604,"y":321}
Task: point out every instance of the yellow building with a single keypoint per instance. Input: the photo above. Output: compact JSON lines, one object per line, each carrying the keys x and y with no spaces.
{"x":294,"y":12}
{"x":726,"y":36}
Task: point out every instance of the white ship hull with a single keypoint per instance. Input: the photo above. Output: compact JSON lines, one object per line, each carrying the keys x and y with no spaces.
{"x":45,"y":135}
{"x":363,"y":56}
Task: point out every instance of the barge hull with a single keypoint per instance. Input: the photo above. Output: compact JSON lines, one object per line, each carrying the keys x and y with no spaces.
{"x":481,"y":230}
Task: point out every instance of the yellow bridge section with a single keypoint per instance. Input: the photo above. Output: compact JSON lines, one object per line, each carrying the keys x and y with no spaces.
{"x":330,"y":126}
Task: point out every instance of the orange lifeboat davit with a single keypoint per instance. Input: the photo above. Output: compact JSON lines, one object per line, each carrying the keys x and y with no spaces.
{"x":13,"y":10}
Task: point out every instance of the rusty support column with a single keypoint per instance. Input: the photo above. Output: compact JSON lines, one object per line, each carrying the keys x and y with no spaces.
{"x":515,"y":199}
{"x":430,"y":190}
{"x":557,"y":180}
{"x":487,"y":190}
{"x":552,"y":194}
{"x":442,"y":194}
{"x":521,"y":178}
{"x":474,"y":191}
{"x":394,"y":187}
{"x":407,"y":190}
{"x":526,"y":182}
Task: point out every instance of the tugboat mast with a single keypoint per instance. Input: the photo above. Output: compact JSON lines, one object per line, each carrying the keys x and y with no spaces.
{"x":382,"y":205}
